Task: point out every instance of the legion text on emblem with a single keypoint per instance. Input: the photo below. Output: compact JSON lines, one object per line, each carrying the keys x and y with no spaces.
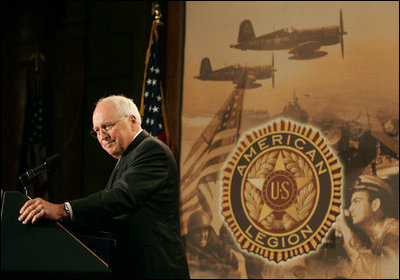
{"x":281,"y":190}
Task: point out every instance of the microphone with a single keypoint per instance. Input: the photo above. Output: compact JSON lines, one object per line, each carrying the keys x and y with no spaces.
{"x":51,"y":162}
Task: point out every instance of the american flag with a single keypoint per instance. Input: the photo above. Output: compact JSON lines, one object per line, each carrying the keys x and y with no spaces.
{"x":35,"y":126}
{"x":201,"y":169}
{"x":152,"y":104}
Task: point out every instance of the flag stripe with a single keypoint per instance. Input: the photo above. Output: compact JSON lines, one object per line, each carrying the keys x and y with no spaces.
{"x":190,"y":165}
{"x":216,"y":156}
{"x":202,"y":166}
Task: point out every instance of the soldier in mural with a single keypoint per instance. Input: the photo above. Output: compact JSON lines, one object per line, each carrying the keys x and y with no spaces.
{"x":208,"y":256}
{"x":256,"y":268}
{"x":370,"y":236}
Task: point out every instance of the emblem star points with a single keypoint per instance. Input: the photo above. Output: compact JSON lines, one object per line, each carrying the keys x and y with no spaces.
{"x":258,"y":183}
{"x":280,"y":163}
{"x":292,"y":212}
{"x":265,"y":212}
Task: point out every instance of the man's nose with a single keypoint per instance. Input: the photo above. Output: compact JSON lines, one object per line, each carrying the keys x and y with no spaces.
{"x":103,"y":134}
{"x":351,"y":209}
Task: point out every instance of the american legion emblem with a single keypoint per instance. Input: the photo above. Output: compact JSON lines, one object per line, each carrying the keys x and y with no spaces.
{"x":281,"y":190}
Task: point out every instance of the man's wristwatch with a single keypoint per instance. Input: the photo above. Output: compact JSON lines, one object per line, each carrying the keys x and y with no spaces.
{"x":67,"y":211}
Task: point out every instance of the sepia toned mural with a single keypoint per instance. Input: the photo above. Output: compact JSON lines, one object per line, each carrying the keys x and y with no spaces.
{"x":279,"y":95}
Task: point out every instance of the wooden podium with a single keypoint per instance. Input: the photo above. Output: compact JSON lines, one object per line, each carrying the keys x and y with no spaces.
{"x":43,"y":250}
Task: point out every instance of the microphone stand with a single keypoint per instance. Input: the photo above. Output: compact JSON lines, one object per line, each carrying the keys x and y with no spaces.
{"x":26,"y":184}
{"x":26,"y":177}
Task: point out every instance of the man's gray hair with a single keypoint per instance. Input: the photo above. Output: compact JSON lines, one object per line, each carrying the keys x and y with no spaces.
{"x":124,"y":105}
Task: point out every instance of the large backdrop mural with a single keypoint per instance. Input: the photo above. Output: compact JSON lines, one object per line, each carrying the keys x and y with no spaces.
{"x":290,"y":139}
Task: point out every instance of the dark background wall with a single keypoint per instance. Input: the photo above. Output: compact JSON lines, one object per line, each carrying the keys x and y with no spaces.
{"x":91,"y":49}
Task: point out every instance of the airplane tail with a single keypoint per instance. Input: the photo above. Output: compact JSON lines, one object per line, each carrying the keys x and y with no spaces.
{"x":246,"y":32}
{"x":205,"y":67}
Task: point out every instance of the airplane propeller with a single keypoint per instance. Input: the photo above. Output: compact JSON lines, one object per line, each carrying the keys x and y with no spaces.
{"x":341,"y":33}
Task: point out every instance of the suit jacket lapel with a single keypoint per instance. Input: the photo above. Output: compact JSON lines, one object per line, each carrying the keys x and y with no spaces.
{"x":112,"y":176}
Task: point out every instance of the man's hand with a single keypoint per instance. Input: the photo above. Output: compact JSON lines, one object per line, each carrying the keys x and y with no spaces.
{"x":342,"y":229}
{"x":38,"y":208}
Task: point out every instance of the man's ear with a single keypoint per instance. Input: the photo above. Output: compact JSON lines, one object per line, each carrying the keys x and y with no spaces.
{"x":376,"y":204}
{"x":132,"y":118}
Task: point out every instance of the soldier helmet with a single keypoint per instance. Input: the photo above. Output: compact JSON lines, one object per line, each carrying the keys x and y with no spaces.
{"x":197,"y":220}
{"x":373,"y":183}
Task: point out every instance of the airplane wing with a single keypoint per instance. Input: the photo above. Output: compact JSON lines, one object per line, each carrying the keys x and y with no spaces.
{"x":305,"y":47}
{"x":224,"y":74}
{"x":307,"y":50}
{"x":247,"y":82}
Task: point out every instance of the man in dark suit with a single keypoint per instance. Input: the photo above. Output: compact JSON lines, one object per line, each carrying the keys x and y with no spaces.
{"x":140,"y":204}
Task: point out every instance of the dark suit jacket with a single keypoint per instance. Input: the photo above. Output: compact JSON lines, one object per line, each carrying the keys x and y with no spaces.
{"x":140,"y":205}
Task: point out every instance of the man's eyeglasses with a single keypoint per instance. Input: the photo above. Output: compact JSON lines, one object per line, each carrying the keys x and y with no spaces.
{"x":105,"y":127}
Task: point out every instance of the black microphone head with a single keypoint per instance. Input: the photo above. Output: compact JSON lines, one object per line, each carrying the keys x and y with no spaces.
{"x":53,"y":161}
